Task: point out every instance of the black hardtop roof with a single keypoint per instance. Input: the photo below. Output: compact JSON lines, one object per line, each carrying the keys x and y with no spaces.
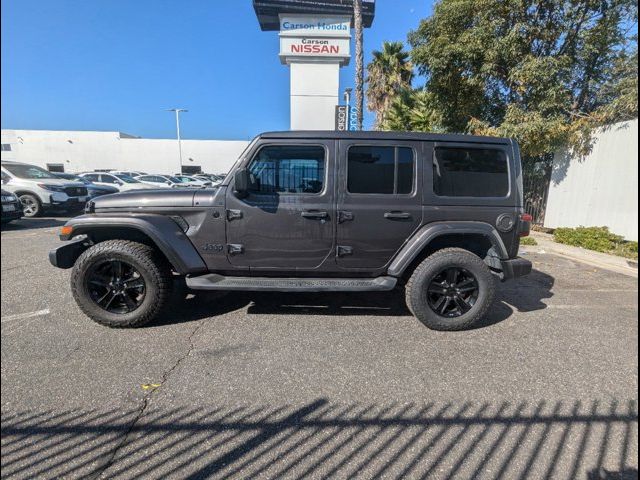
{"x":375,"y":135}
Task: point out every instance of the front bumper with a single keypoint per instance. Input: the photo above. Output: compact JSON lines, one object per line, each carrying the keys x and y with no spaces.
{"x":66,"y":255}
{"x":515,"y":267}
{"x":66,"y":202}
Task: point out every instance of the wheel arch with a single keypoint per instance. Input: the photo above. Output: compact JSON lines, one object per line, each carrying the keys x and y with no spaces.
{"x":477,"y":237}
{"x":157,"y":231}
{"x":21,"y":191}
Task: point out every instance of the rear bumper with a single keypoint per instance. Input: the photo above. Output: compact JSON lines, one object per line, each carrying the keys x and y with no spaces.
{"x":515,"y":267}
{"x":15,"y":214}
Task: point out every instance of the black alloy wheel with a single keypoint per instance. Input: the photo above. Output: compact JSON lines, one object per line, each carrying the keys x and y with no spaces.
{"x":452,"y":292}
{"x":116,"y":286}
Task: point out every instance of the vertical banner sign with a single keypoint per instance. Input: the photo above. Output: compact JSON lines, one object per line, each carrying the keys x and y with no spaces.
{"x":353,"y":118}
{"x":341,"y":118}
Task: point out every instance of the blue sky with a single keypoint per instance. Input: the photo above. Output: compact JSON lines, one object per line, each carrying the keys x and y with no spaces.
{"x":118,"y":64}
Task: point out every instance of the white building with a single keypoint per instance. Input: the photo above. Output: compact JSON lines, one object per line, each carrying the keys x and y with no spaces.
{"x":601,"y":189}
{"x":78,"y":151}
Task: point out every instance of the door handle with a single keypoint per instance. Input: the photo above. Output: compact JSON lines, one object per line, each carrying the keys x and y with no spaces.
{"x":397,"y":215}
{"x":314,"y":214}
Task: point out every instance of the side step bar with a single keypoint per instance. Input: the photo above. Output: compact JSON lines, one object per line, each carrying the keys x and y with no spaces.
{"x":213,"y":281}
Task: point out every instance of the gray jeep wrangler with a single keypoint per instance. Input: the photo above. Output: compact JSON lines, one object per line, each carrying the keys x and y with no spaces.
{"x":438,"y":215}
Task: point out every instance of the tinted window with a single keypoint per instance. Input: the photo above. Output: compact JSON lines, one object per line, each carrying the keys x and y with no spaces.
{"x":108,"y":179}
{"x":127,"y":179}
{"x":91,"y":177}
{"x":470,"y":172}
{"x":288,"y":169}
{"x":386,"y":170}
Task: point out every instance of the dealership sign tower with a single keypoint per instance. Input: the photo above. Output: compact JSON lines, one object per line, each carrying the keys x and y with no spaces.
{"x":315,"y":41}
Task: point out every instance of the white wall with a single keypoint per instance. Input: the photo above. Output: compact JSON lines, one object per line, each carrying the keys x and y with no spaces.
{"x":82,"y":151}
{"x":600,"y":189}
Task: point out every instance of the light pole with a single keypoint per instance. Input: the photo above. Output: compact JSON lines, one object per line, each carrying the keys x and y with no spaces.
{"x":347,"y":101}
{"x":177,"y":111}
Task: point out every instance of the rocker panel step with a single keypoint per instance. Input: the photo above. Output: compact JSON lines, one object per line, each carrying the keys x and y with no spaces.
{"x":213,"y":281}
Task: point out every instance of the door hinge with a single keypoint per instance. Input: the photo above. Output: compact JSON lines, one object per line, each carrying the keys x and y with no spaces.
{"x":234,"y":214}
{"x":344,"y":216}
{"x":343,"y":250}
{"x":235,"y":248}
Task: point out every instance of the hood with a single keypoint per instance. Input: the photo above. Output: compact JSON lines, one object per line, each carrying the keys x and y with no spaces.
{"x":145,"y":199}
{"x":59,"y":182}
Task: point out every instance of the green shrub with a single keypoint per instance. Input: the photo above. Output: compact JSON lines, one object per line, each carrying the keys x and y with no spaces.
{"x":528,"y":241}
{"x":599,"y":239}
{"x":627,"y":249}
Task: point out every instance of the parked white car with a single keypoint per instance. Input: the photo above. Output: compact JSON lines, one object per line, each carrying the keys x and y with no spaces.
{"x":210,"y":177}
{"x":160,"y":181}
{"x":123,"y":183}
{"x":40,"y":190}
{"x":193,"y":182}
{"x":130,"y":173}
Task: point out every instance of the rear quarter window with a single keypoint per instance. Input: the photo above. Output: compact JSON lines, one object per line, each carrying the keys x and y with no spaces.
{"x":470,"y":172}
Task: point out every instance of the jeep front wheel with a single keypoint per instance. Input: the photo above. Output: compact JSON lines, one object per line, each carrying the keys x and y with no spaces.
{"x":119,"y":283}
{"x":451,"y":289}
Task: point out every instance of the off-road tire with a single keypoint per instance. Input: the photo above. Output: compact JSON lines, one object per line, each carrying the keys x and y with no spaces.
{"x":416,"y":289}
{"x":149,"y":263}
{"x":34,"y":202}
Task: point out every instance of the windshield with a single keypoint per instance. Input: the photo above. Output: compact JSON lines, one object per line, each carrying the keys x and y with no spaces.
{"x":28,"y":171}
{"x":174,"y":179}
{"x":184,"y":179}
{"x":127,"y":179}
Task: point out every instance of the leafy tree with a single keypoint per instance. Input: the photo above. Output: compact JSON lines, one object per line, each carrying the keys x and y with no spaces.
{"x":543,"y":71}
{"x":389,"y":73}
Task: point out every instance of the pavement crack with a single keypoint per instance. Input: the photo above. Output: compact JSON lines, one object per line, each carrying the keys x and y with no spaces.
{"x":182,"y":358}
{"x":146,"y":399}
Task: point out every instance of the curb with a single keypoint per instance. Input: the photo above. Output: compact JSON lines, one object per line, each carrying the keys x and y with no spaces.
{"x":612,"y":263}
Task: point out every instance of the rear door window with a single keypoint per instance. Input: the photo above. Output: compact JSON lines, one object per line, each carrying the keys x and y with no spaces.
{"x":380,"y":169}
{"x":470,"y":172}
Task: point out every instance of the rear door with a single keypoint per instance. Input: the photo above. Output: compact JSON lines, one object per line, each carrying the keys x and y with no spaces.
{"x":379,"y":201}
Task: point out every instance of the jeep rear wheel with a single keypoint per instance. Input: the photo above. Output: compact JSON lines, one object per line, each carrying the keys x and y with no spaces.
{"x":451,"y":289}
{"x":119,"y":283}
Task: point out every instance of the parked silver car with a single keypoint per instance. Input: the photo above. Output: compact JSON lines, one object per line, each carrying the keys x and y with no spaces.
{"x":40,"y":190}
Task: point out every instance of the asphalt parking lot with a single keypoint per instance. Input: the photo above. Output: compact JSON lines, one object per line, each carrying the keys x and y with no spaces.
{"x":322,"y":386}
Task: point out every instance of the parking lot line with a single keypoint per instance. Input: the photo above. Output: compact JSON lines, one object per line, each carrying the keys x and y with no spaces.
{"x":22,"y":316}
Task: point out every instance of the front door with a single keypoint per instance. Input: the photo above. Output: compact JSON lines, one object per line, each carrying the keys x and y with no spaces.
{"x":379,"y":201}
{"x":287,"y":220}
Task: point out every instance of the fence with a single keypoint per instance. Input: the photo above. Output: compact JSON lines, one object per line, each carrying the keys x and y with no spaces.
{"x":537,"y":177}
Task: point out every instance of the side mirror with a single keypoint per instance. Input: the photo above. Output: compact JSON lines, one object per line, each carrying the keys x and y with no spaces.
{"x":119,"y":183}
{"x":241,"y":182}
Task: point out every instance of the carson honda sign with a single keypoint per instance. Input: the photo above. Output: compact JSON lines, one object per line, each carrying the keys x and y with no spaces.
{"x":303,"y":36}
{"x":299,"y":25}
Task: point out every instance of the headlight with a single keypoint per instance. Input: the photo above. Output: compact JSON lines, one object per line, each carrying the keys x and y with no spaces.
{"x":51,"y":188}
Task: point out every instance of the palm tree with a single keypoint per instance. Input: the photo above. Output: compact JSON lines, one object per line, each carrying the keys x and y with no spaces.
{"x":357,"y":24}
{"x":389,"y":73}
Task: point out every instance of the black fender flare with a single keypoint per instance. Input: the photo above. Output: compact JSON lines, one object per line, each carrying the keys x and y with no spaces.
{"x":170,"y":239}
{"x":428,"y":233}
